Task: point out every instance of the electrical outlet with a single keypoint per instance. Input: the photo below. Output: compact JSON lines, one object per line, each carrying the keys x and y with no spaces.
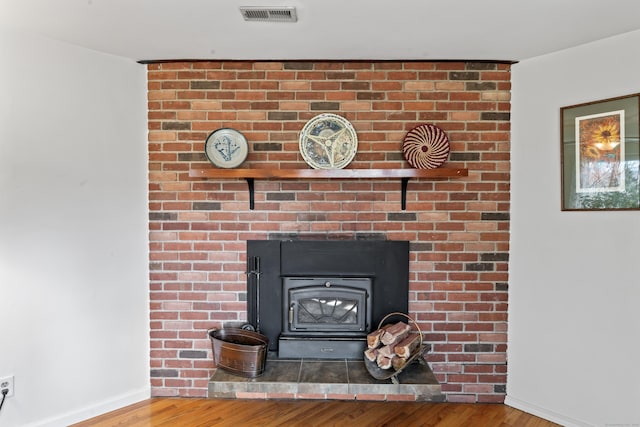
{"x":6,"y":383}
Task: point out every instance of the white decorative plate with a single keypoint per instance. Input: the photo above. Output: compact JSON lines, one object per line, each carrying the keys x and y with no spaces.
{"x":426,"y":147}
{"x":328,"y":141}
{"x":226,"y":148}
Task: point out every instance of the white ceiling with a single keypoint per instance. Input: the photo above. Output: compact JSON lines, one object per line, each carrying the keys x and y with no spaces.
{"x":502,"y":30}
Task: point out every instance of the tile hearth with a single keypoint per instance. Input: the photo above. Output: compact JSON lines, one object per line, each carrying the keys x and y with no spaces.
{"x":341,"y":379}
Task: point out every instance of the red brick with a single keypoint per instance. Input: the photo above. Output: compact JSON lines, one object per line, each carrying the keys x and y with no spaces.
{"x":375,"y":397}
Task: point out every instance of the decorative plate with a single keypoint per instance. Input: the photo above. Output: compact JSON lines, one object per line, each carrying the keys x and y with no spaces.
{"x":226,"y":148}
{"x":426,"y":147}
{"x":328,"y":141}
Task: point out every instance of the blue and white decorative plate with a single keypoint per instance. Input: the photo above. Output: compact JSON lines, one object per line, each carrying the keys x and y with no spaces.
{"x":226,"y":148}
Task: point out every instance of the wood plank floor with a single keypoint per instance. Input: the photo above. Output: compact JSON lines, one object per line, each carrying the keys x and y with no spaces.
{"x":266,"y":413}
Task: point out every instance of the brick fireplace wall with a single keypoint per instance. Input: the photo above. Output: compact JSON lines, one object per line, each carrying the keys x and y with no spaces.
{"x":458,"y":228}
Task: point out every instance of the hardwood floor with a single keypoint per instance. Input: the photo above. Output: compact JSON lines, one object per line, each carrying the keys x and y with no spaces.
{"x":266,"y":413}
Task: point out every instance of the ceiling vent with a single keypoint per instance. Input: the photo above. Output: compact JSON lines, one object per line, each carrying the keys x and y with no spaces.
{"x":269,"y":14}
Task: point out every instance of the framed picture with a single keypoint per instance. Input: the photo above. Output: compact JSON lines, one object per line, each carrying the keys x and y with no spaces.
{"x":600,"y":154}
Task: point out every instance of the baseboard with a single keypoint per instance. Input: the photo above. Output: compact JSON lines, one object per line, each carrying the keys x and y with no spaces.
{"x":544,"y":413}
{"x":98,"y":408}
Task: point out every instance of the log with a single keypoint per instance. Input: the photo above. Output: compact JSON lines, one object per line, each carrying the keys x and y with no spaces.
{"x":373,"y":339}
{"x":398,"y":362}
{"x":387,"y":351}
{"x":371,"y":354}
{"x":395,"y":333}
{"x":407,"y":346}
{"x":383,"y":361}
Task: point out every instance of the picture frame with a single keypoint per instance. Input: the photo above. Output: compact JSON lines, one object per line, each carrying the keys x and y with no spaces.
{"x":600,"y":155}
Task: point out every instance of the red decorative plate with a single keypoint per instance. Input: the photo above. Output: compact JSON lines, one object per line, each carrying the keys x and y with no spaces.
{"x":426,"y":147}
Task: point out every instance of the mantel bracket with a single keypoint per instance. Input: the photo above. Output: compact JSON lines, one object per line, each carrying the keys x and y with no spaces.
{"x":252,"y":200}
{"x":403,"y":199}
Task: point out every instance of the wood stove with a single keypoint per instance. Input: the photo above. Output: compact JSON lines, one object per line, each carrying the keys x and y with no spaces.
{"x":319,"y":299}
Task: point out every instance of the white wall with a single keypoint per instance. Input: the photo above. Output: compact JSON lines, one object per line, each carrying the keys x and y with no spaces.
{"x":574,"y":315}
{"x":73,"y":240}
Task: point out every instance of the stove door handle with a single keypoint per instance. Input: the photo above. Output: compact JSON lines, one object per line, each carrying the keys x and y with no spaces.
{"x":291,"y":315}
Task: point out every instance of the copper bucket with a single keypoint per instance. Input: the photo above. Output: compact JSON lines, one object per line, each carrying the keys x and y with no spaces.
{"x":239,"y":351}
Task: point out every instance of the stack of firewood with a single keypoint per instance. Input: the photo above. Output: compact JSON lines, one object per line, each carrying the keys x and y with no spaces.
{"x":392,"y":345}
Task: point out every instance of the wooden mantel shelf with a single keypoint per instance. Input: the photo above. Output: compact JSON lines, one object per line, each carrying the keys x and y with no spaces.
{"x":327,"y":173}
{"x":251,"y":174}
